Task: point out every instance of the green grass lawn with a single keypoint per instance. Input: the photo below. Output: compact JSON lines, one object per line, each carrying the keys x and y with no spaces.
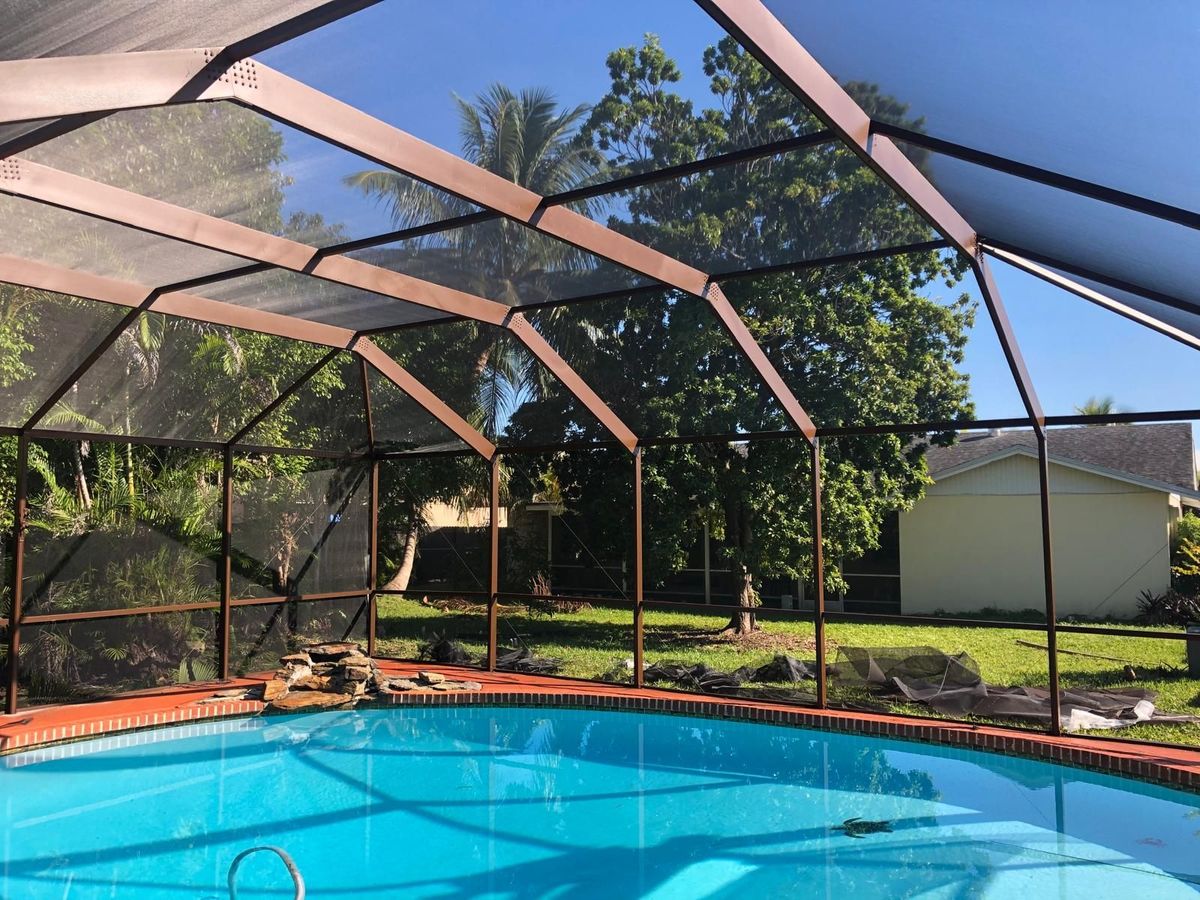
{"x":594,"y":641}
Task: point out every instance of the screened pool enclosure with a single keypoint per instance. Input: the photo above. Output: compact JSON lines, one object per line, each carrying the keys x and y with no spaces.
{"x":264,"y":314}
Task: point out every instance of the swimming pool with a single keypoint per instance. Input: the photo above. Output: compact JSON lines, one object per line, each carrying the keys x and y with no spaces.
{"x":466,"y":802}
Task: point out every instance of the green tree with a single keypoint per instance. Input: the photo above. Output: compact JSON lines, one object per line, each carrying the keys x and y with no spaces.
{"x":123,"y":524}
{"x":526,"y":138}
{"x":859,"y":343}
{"x":1097,"y":406}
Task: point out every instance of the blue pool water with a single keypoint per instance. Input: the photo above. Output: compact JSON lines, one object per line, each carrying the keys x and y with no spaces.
{"x":532,"y":803}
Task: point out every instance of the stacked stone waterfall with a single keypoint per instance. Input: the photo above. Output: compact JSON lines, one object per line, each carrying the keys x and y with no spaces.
{"x":323,"y":676}
{"x":337,"y":675}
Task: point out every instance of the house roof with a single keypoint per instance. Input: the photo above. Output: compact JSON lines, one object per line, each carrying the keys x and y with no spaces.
{"x":1162,"y":453}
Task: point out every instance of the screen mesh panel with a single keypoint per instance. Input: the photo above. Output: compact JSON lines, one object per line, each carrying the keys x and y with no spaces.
{"x":47,"y":336}
{"x":302,"y":532}
{"x":950,"y":70}
{"x":166,"y":377}
{"x":261,"y":633}
{"x":493,"y":381}
{"x":663,"y":362}
{"x":73,"y":241}
{"x":80,"y":27}
{"x":111,"y":529}
{"x":326,"y":412}
{"x":71,"y":662}
{"x":293,"y":294}
{"x":897,"y":340}
{"x":1077,"y":231}
{"x":803,"y":205}
{"x":399,"y":423}
{"x":504,"y":261}
{"x":234,"y":163}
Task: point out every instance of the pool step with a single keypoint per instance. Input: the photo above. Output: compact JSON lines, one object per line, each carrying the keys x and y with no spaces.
{"x":297,"y":878}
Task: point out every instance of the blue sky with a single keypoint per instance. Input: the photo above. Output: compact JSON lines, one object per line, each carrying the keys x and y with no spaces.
{"x":403,"y":60}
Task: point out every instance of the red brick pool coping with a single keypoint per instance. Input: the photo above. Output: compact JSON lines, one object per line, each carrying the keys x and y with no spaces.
{"x":193,"y":703}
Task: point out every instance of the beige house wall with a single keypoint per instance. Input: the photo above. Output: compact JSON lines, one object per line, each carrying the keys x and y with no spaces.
{"x":974,"y":542}
{"x":445,"y":515}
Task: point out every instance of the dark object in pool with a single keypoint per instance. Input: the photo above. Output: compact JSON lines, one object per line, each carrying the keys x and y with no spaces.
{"x":857,"y":827}
{"x":442,"y":650}
{"x":523,"y":660}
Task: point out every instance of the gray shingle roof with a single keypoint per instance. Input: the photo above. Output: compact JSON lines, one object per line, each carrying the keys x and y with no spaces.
{"x":1158,"y":452}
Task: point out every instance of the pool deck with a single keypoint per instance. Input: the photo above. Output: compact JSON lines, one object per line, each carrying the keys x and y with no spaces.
{"x":193,"y":703}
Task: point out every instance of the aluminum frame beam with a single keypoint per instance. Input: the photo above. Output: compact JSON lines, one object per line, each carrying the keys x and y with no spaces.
{"x":110,"y":83}
{"x":44,"y":184}
{"x":1080,"y":186}
{"x":1093,"y":296}
{"x":766,"y":38}
{"x":42,"y":276}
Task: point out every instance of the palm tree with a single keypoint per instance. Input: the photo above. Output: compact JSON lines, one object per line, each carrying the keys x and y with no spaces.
{"x":1097,"y":406}
{"x":528,"y":139}
{"x":525,"y":138}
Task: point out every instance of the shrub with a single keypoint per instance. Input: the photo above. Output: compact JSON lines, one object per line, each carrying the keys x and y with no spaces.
{"x":1187,"y":530}
{"x":1169,"y":608}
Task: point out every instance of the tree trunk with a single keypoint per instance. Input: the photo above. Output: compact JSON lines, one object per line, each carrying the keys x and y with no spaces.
{"x":399,"y":581}
{"x":739,"y":528}
{"x":81,"y":483}
{"x":744,"y":621}
{"x":129,"y":450}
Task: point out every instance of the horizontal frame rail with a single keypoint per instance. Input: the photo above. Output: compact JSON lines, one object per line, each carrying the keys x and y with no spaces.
{"x":1053,"y":179}
{"x":51,"y":618}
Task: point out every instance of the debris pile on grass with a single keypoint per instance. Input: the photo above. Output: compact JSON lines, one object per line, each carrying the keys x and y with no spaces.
{"x":741,"y":682}
{"x":522,"y":659}
{"x":951,"y":684}
{"x":442,"y":650}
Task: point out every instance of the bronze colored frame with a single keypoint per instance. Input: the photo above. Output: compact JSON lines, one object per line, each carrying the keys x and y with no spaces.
{"x":74,"y":91}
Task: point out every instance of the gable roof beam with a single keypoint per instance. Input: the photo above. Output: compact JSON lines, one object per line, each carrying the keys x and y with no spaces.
{"x":766,"y":38}
{"x":139,"y":298}
{"x":123,"y":81}
{"x":44,"y":184}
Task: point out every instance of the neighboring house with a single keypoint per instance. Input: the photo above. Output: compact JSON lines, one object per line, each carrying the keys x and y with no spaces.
{"x":974,"y":541}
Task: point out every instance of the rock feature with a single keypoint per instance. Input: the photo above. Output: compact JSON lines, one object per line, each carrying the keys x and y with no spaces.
{"x":333,"y":652}
{"x":311,"y":700}
{"x":426,"y":682}
{"x":274,"y":689}
{"x":339,"y":675}
{"x":322,"y":676}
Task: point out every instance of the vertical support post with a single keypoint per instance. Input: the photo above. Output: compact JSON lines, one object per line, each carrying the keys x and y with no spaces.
{"x":639,"y":677}
{"x":493,"y":559}
{"x":223,"y":643}
{"x":366,"y":389}
{"x":373,"y":534}
{"x":373,"y":561}
{"x":14,"y":617}
{"x":1048,"y":575}
{"x":818,"y":575}
{"x":707,"y":565}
